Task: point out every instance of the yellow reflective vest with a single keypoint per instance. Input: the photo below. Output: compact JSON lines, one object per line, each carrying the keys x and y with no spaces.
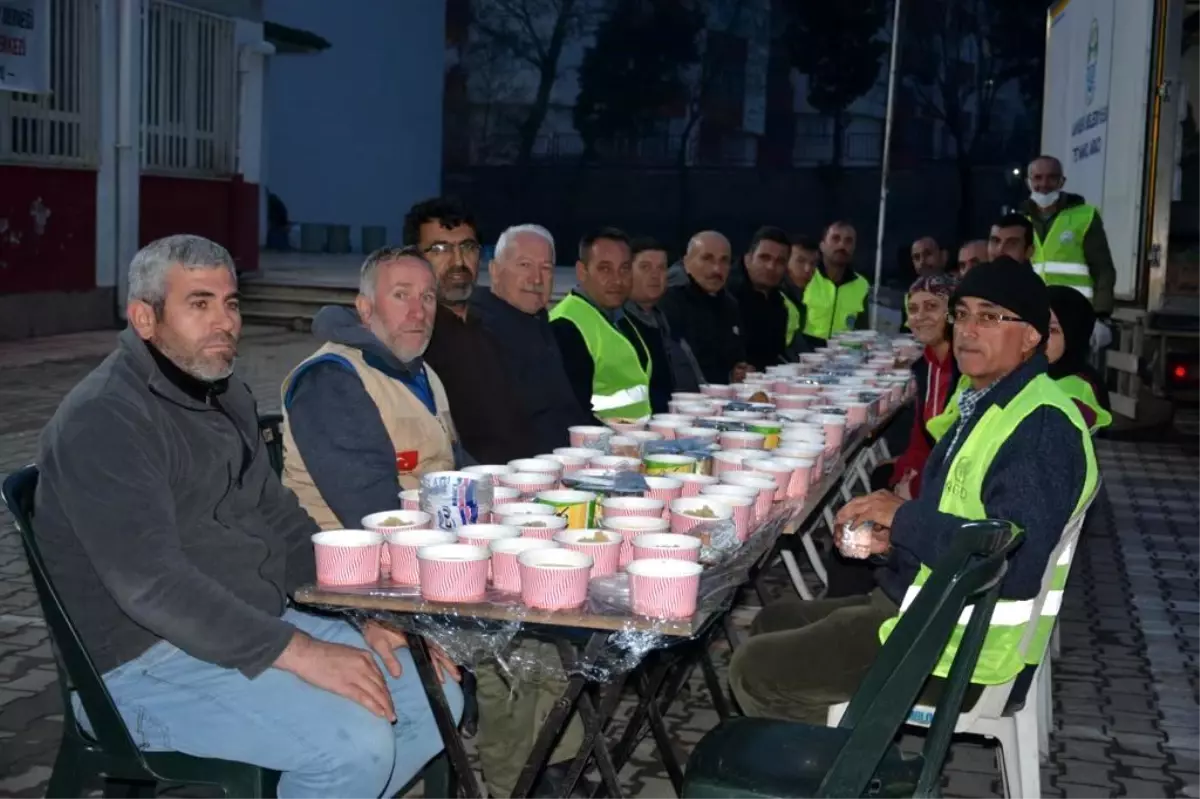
{"x":1001,"y":659}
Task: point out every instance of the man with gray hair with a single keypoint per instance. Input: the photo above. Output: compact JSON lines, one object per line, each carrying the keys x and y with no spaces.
{"x":364,"y":417}
{"x":514,"y":312}
{"x":174,"y":548}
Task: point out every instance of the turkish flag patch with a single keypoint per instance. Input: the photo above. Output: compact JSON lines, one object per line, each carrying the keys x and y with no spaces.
{"x":406,"y":461}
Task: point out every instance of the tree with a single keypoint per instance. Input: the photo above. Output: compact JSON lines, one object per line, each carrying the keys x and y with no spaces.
{"x":838,"y":45}
{"x":960,"y":55}
{"x":635,"y":70}
{"x":533,"y":33}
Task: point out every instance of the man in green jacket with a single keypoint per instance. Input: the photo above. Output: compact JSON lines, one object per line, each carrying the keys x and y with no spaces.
{"x":1070,"y":246}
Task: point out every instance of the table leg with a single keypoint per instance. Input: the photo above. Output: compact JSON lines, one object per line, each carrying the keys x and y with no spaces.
{"x":459,"y":764}
{"x":560,"y":715}
{"x":594,"y":721}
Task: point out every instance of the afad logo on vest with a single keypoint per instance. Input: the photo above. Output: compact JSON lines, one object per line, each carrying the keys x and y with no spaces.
{"x":956,"y":483}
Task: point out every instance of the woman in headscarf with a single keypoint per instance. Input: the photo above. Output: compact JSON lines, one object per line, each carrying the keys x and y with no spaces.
{"x":936,"y":374}
{"x":1068,"y":349}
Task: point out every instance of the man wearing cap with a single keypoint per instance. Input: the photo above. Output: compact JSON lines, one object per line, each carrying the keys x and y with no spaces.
{"x":1010,"y":414}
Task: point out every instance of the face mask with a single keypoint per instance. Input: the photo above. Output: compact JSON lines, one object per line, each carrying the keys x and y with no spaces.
{"x":1044,"y":200}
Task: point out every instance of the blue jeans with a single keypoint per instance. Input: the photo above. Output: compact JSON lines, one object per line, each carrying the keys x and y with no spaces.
{"x":325,"y":745}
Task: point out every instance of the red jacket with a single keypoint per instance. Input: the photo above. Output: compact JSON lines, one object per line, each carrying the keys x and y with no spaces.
{"x":936,"y":380}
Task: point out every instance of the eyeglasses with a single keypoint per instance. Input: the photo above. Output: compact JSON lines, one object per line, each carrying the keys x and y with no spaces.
{"x":960,"y":316}
{"x":442,"y":249}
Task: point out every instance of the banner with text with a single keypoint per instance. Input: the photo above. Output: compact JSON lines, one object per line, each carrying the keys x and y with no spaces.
{"x":25,"y":46}
{"x":1083,"y":30}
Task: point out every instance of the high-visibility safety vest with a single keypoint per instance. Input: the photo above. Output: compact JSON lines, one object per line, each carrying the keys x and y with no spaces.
{"x":1059,"y":257}
{"x":793,"y":321}
{"x":1073,"y":386}
{"x":939,"y":425}
{"x":1001,"y":659}
{"x":620,"y":386}
{"x":1081,"y":390}
{"x":830,"y":308}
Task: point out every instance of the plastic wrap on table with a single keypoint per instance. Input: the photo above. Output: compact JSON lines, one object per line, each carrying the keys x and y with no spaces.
{"x":471,"y":641}
{"x":696,"y":447}
{"x":610,"y":482}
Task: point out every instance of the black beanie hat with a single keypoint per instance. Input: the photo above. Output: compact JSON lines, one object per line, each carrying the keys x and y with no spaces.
{"x":1012,"y":285}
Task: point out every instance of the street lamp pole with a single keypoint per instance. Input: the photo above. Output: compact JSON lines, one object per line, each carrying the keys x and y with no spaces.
{"x":885,"y":164}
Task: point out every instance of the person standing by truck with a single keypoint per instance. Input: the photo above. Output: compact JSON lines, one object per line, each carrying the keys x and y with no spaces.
{"x":1070,"y":247}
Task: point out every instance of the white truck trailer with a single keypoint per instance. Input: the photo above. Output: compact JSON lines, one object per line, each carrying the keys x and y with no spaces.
{"x":1120,"y":112}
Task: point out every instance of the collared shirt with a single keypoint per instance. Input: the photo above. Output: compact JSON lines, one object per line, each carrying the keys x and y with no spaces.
{"x":968,"y":401}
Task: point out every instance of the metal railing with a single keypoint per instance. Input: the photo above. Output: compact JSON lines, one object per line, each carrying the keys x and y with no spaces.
{"x":62,"y":127}
{"x":189,"y":91}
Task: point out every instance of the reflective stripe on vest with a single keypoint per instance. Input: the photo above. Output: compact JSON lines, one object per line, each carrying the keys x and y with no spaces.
{"x":1001,"y":658}
{"x":1059,"y":257}
{"x":793,"y":321}
{"x":620,"y":386}
{"x":1081,"y":390}
{"x":830,"y":308}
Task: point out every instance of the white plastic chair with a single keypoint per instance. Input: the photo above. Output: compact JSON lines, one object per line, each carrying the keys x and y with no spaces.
{"x":1024,"y":733}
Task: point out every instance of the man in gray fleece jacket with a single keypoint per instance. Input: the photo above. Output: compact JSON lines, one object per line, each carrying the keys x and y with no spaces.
{"x":174,"y":547}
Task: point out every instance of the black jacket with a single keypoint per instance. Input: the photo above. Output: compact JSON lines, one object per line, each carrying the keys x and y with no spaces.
{"x":580,"y":367}
{"x":710,"y":324}
{"x":764,"y":325}
{"x":492,"y":424}
{"x":535,"y":364}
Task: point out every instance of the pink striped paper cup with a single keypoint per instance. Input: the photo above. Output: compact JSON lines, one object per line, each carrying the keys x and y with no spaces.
{"x":793,"y":402}
{"x":347,"y":557}
{"x":664,"y":488}
{"x":482,"y":535}
{"x":403,"y":546}
{"x":588,"y":436}
{"x":389,"y":521}
{"x":663,"y":588}
{"x":410,"y":499}
{"x":717,"y":390}
{"x":529,"y":483}
{"x":570,"y":463}
{"x":802,"y":475}
{"x":630,"y":526}
{"x":668,"y":428}
{"x":781,"y":473}
{"x":835,"y":430}
{"x":545,"y":526}
{"x":586,"y":453}
{"x":554,"y":579}
{"x":649,"y":546}
{"x":631,"y":506}
{"x":503,"y":495}
{"x":683,"y":517}
{"x":603,"y":546}
{"x":492,"y":470}
{"x":506,"y":566}
{"x":856,"y":413}
{"x":692,"y":483}
{"x":538,"y":466}
{"x":453,"y":572}
{"x":762,"y":483}
{"x":807,"y":452}
{"x":741,"y":439}
{"x":743,"y":501}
